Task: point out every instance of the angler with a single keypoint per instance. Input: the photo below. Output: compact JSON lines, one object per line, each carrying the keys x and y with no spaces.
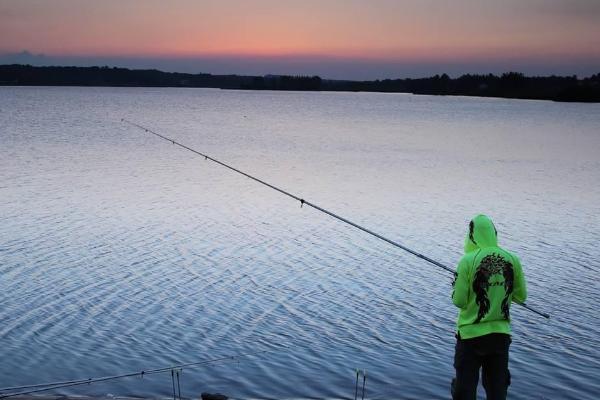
{"x":488,"y":280}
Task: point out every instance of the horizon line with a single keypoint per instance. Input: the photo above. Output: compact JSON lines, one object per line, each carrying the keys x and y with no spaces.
{"x":328,"y":66}
{"x":306,"y":75}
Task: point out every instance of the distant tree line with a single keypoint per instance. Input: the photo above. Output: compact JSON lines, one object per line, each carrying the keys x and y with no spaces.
{"x":28,"y":75}
{"x":509,"y":85}
{"x":285,"y":82}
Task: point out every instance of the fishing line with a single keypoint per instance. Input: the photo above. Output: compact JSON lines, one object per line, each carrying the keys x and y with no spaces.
{"x":314,"y":206}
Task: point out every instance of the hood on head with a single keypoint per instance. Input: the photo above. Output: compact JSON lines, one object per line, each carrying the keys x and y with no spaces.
{"x":482,"y":233}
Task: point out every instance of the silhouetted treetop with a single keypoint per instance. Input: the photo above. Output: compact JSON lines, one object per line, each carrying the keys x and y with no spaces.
{"x":509,"y":84}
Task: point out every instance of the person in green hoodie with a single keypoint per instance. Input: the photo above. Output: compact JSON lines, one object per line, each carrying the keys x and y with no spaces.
{"x":488,"y":278}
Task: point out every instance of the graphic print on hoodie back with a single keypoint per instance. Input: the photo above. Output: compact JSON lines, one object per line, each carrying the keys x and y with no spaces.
{"x":488,"y":279}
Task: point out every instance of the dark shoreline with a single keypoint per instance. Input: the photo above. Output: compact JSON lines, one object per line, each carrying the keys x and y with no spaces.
{"x":510,"y":85}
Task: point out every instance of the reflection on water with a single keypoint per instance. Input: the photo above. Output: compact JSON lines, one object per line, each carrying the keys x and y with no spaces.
{"x":119,"y":252}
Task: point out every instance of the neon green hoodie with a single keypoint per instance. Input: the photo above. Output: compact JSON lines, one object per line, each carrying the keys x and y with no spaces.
{"x":488,"y":279}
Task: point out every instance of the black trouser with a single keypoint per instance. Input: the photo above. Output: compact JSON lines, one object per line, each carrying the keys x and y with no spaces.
{"x":490,"y":353}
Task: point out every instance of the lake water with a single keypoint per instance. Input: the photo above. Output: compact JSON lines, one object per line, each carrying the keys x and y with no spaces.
{"x":121,"y":252}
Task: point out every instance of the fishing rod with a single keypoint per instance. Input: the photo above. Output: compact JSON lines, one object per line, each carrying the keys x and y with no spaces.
{"x":42,"y":387}
{"x":313,"y":205}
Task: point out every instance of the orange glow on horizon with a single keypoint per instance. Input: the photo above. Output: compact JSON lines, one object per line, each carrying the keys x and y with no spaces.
{"x":385,"y":30}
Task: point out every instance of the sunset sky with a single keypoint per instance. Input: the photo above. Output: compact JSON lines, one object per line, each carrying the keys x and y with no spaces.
{"x":332,"y":38}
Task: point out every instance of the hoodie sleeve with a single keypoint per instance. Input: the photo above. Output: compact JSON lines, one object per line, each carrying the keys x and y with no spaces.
{"x":520,"y":288}
{"x":460,"y":292}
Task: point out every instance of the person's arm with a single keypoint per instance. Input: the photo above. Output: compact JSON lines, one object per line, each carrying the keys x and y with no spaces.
{"x":520,"y":286}
{"x":460,"y":292}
